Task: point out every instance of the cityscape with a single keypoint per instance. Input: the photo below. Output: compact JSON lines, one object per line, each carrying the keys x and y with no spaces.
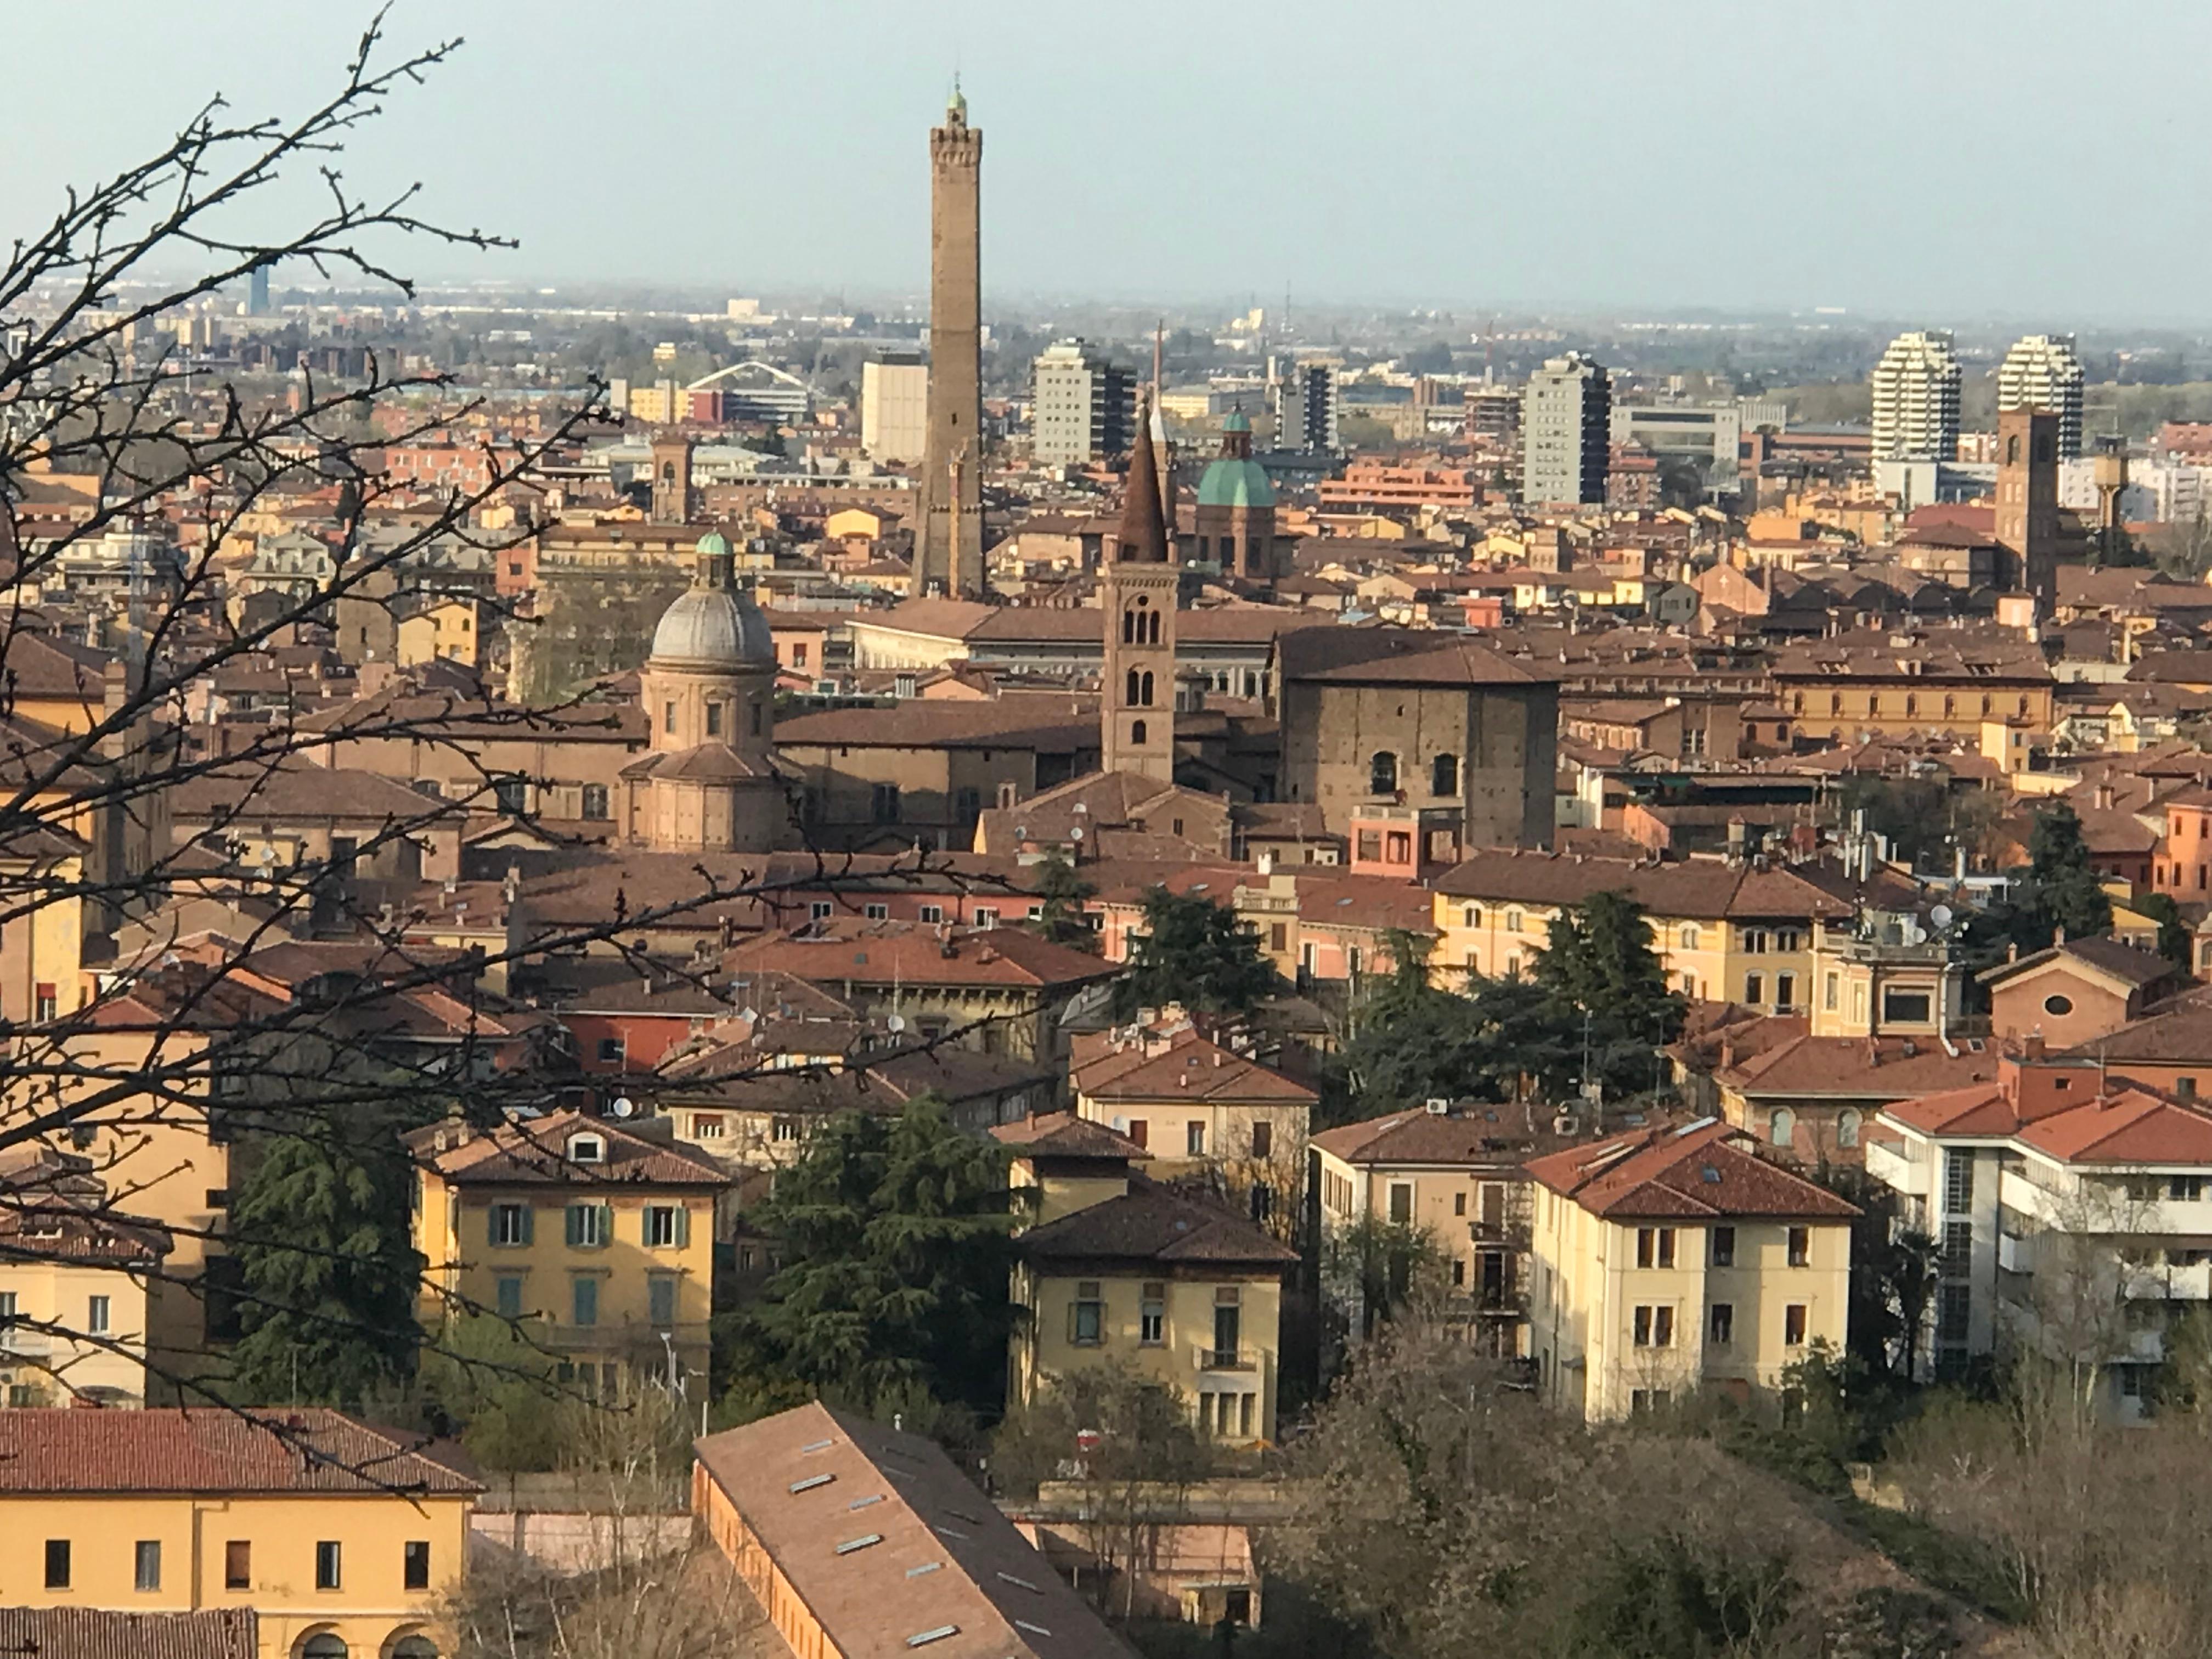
{"x":775,"y":969}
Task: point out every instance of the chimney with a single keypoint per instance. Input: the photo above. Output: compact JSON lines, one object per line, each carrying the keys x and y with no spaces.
{"x":2032,"y":1048}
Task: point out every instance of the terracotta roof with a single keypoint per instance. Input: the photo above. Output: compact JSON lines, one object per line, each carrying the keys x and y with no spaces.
{"x":1149,"y":1223}
{"x":843,"y":951}
{"x":2131,"y":1126}
{"x":1063,"y":1134}
{"x":2109,"y":959}
{"x":535,"y":1154}
{"x":1881,"y":1068}
{"x":1690,"y":1174}
{"x":1700,"y":887}
{"x":1398,"y":656}
{"x":204,"y":1449}
{"x":888,"y":1546}
{"x":2178,"y":1030}
{"x":247,"y":792}
{"x":96,"y":1633}
{"x":1184,"y":1066}
{"x":1482,"y":1137}
{"x":1981,"y":1110}
{"x":1046,"y":723}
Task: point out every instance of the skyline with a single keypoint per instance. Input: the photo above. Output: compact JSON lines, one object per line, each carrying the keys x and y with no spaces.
{"x":1244,"y":156}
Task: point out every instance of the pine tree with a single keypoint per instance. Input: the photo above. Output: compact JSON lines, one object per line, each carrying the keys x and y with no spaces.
{"x":319,"y":1230}
{"x":1196,"y":953}
{"x":1601,"y":962}
{"x":895,"y":1236}
{"x":2060,"y":892}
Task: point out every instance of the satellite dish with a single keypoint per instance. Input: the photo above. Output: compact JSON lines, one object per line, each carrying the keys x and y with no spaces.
{"x":625,"y":1106}
{"x":1941,"y":916}
{"x":895,"y":1023}
{"x":1076,"y":834}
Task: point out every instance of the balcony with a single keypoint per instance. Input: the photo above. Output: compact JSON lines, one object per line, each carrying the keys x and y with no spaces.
{"x":1228,"y":1360}
{"x":2101,"y":1210}
{"x":1896,"y":1170}
{"x":2161,"y":1283}
{"x":2015,"y":1254}
{"x":18,"y":1344}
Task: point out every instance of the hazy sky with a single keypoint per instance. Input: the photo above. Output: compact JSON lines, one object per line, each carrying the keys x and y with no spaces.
{"x":1936,"y":160}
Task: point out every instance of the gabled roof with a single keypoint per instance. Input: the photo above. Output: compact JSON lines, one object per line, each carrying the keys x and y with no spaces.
{"x":1185,"y":1067}
{"x":1152,"y":1224}
{"x":1694,"y":1173}
{"x":1399,"y":656}
{"x":1479,"y":1138}
{"x":2107,"y":959}
{"x":2179,"y":1031}
{"x":2131,"y":1126}
{"x":1063,"y":1134}
{"x":213,"y":1450}
{"x":535,"y":1154}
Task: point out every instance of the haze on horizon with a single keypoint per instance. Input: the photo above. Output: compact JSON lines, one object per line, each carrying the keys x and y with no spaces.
{"x":2001,"y":159}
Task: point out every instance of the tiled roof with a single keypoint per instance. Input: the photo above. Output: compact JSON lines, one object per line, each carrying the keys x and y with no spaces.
{"x":211,"y":1450}
{"x":1479,"y":1138}
{"x":1980,"y":1110}
{"x":1149,"y":1223}
{"x":1395,"y":656}
{"x":2130,"y":1126}
{"x":2180,"y":1031}
{"x":843,"y":951}
{"x":891,"y":1547}
{"x":2106,"y":957}
{"x":1063,"y":1134}
{"x":1185,"y":1066}
{"x":96,"y":1633}
{"x":249,"y":793}
{"x":1689,"y":1174}
{"x":535,"y":1154}
{"x":1700,"y":887}
{"x":1883,"y":1068}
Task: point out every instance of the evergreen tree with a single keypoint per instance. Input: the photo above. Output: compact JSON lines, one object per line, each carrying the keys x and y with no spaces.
{"x":319,"y":1231}
{"x":2175,"y":941}
{"x":1600,"y":963}
{"x":1061,"y":895}
{"x":2059,"y":891}
{"x":1197,"y":953}
{"x":896,"y":1247}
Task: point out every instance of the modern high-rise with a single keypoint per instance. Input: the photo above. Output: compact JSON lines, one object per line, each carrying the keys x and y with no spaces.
{"x":1305,"y":408}
{"x":1083,"y":406}
{"x":257,"y":291}
{"x":949,"y":558}
{"x":2042,"y":372}
{"x":1916,"y":399}
{"x":1566,"y":422}
{"x":895,"y":407}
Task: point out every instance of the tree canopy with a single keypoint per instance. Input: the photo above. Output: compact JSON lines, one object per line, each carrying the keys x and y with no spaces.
{"x":895,"y":1232}
{"x":2059,"y":891}
{"x":1060,"y":895}
{"x":1601,"y":962}
{"x":1197,"y":953}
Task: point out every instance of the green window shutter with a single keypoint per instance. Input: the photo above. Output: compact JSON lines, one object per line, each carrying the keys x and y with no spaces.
{"x":574,"y":1217}
{"x":529,"y":1223}
{"x":683,"y":1226}
{"x":492,"y":1223}
{"x":606,"y":1234}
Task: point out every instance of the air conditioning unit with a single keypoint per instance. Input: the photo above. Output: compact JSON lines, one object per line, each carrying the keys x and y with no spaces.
{"x":1438,"y":1106}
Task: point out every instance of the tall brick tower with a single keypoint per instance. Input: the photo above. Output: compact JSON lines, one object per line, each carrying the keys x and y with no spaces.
{"x":949,"y":551}
{"x":2027,"y":498}
{"x":1137,"y":700}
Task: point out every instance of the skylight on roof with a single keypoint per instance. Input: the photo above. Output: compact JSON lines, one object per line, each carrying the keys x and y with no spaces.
{"x":1023,"y":1583}
{"x":927,"y":1567}
{"x":922,"y":1638}
{"x":863,"y":1503}
{"x":811,"y":1481}
{"x":859,"y":1543}
{"x":818,"y":1445}
{"x":950,"y":1532}
{"x":1034,"y":1630}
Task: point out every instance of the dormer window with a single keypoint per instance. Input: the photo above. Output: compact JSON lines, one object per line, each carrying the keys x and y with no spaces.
{"x":587,"y":1149}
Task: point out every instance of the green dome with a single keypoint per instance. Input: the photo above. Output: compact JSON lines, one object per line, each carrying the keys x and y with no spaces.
{"x":1236,"y":480}
{"x":713,"y":544}
{"x":1236,"y":421}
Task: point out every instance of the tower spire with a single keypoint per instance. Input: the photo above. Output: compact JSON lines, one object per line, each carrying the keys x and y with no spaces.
{"x":1143,"y":536}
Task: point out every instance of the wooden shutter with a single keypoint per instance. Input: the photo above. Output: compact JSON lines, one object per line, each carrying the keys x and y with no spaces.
{"x":606,"y":1233}
{"x":683,"y":1226}
{"x":573,"y":1219}
{"x":529,"y":1224}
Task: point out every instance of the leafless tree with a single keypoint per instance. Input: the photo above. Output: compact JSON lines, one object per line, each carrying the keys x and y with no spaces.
{"x":149,"y":1037}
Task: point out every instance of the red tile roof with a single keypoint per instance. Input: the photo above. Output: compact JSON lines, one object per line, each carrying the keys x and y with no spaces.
{"x":95,"y":1633}
{"x":535,"y":1154}
{"x":206,"y":1449}
{"x":1181,"y":1067}
{"x":1693,"y":1173}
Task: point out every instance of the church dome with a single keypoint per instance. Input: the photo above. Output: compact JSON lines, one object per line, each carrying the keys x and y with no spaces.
{"x":714,"y":625}
{"x":1236,"y":480}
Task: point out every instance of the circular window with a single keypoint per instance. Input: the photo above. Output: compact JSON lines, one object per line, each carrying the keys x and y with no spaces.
{"x":2057,"y":1004}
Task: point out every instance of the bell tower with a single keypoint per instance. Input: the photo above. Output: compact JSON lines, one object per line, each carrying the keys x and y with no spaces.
{"x":1137,"y":700}
{"x":671,"y":480}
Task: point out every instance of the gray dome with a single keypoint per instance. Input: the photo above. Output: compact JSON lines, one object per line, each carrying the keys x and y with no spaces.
{"x":713,"y":627}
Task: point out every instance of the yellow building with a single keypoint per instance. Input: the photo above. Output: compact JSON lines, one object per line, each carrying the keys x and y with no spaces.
{"x":1853,"y":686}
{"x":73,"y":1287}
{"x":340,"y":1538}
{"x":446,"y":630}
{"x":1724,"y":931}
{"x":1201,"y":1109}
{"x":601,"y":1236}
{"x":1117,"y":1267}
{"x":1668,"y":1262}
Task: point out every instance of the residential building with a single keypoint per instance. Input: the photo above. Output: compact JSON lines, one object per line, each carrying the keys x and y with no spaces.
{"x":1083,"y":407}
{"x":1119,"y":1267}
{"x":1204,"y":1111}
{"x":1958,"y":680}
{"x":2073,"y":1211}
{"x":339,"y":1539}
{"x":1307,"y":410}
{"x":2041,"y":371}
{"x":862,"y":1541}
{"x":446,"y":629}
{"x":1455,"y":1173}
{"x":1566,"y":420}
{"x":75,"y":1278}
{"x":1916,"y":399}
{"x":895,"y":407}
{"x":2076,"y":992}
{"x":1703,"y":435}
{"x":600,"y":1234}
{"x":1670,"y":1262}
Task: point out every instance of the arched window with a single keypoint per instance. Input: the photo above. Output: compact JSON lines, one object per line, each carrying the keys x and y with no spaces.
{"x":2012,"y":450}
{"x":1471,"y":917}
{"x":1688,"y":939}
{"x":1847,"y":1129}
{"x":1136,"y":684}
{"x":1383,"y":773}
{"x":1145,"y":685}
{"x":415,"y":1647}
{"x":1444,"y":775}
{"x":1835,"y":703}
{"x":1911,"y":704}
{"x":1782,"y":1128}
{"x":1136,"y":731}
{"x":1153,"y":629}
{"x":324,"y":1644}
{"x":1512,"y":921}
